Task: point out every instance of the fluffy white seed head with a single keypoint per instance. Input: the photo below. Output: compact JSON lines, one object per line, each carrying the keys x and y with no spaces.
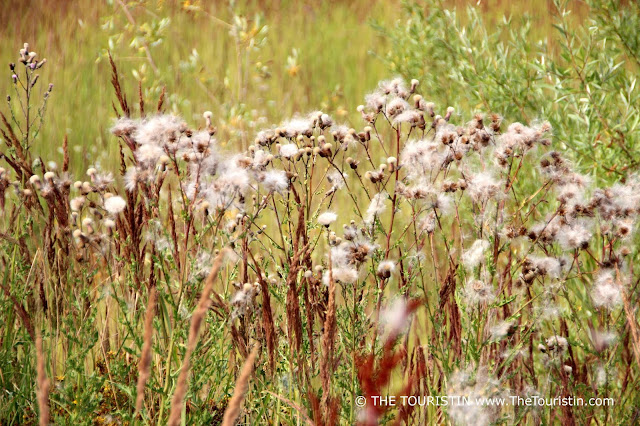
{"x":327,"y":218}
{"x":76,"y":203}
{"x":557,"y":345}
{"x":394,"y":318}
{"x":377,"y":206}
{"x":275,"y":181}
{"x":115,"y":205}
{"x":475,"y":254}
{"x":288,"y":150}
{"x":606,"y":292}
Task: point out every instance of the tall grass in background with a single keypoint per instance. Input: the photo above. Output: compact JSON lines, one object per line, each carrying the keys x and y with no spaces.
{"x":248,"y":62}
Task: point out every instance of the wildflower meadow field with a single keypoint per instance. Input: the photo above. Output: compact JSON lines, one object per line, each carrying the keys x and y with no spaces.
{"x":323,"y":213}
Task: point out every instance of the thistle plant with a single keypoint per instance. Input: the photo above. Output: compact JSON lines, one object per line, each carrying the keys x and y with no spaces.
{"x":420,"y":252}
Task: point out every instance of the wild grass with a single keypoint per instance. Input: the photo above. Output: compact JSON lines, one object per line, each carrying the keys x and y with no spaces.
{"x":281,"y":262}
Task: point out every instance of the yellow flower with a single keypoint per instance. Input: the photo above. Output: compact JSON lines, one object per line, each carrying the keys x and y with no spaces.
{"x":293,"y":70}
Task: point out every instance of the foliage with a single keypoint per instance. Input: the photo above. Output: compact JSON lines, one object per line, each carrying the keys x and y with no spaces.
{"x":582,"y":77}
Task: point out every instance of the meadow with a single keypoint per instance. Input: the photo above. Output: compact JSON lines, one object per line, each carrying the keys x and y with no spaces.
{"x":289,"y":213}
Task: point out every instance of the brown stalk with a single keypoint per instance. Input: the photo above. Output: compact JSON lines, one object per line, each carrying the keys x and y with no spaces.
{"x":141,"y":99}
{"x":242,"y":385}
{"x":328,"y":343}
{"x":294,"y":321}
{"x":22,"y":313}
{"x":295,"y":406}
{"x":65,"y":150}
{"x":115,"y":81}
{"x":196,"y":321}
{"x":374,"y":379}
{"x":310,"y":321}
{"x":13,"y":140}
{"x":161,"y":99}
{"x":43,"y":384}
{"x":144,"y":366}
{"x":15,"y":166}
{"x":267,"y":317}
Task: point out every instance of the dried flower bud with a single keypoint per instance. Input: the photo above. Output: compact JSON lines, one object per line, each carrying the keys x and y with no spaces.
{"x":207,"y":116}
{"x":367,"y":132}
{"x":86,"y":187}
{"x":449,"y":113}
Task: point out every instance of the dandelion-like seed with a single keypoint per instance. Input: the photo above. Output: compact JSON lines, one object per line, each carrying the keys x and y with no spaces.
{"x":275,"y":181}
{"x":343,"y":275}
{"x":149,"y":154}
{"x":327,"y":218}
{"x":131,"y":179}
{"x":336,"y":179}
{"x":395,"y":317}
{"x":477,"y":292}
{"x":76,"y":203}
{"x":386,"y":268}
{"x":557,"y":345}
{"x":477,"y":386}
{"x":603,"y":339}
{"x":396,"y":106}
{"x":297,"y":126}
{"x":606,"y":292}
{"x":376,"y":207}
{"x":483,"y":187}
{"x":289,"y":150}
{"x":574,"y":236}
{"x":502,"y":329}
{"x":115,"y":205}
{"x":474,"y":255}
{"x":207,"y":117}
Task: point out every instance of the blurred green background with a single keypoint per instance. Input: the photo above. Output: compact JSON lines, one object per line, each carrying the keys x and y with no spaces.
{"x":253,"y":63}
{"x":250,"y":63}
